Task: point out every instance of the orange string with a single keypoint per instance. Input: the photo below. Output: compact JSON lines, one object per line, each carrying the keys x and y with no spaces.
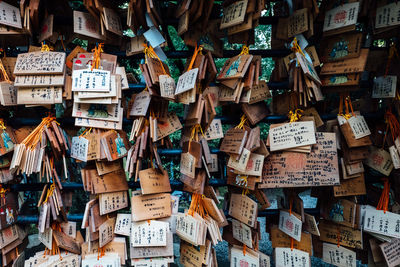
{"x":4,"y":72}
{"x":348,"y":103}
{"x":296,"y":47}
{"x":291,"y":243}
{"x":244,"y":250}
{"x":193,"y":204}
{"x":243,"y":120}
{"x":393,"y":124}
{"x":345,"y":98}
{"x":35,"y":136}
{"x":196,"y":51}
{"x":338,"y":237}
{"x":100,"y":252}
{"x":383,"y":203}
{"x":149,"y":52}
{"x":54,"y":248}
{"x":197,"y":205}
{"x":59,"y":252}
{"x":96,"y":56}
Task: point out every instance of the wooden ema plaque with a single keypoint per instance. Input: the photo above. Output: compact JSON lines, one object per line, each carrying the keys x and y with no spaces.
{"x":349,"y":237}
{"x":40,"y":63}
{"x":280,"y":239}
{"x":146,"y":207}
{"x":341,"y":47}
{"x":351,"y":65}
{"x":292,"y":169}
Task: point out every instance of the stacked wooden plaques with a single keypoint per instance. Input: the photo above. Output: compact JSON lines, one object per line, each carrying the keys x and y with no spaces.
{"x":240,"y":18}
{"x":39,"y":78}
{"x":97,"y":92}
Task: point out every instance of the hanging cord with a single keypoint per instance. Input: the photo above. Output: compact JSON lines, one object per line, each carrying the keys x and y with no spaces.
{"x":86,"y":132}
{"x":100,"y":252}
{"x":4,"y":73}
{"x":2,"y":125}
{"x":197,"y":205}
{"x":55,"y":249}
{"x":194,"y":135}
{"x":338,"y":237}
{"x":245,"y":50}
{"x":97,"y":55}
{"x":193,"y":204}
{"x":150,"y":53}
{"x":392,"y":52}
{"x":245,"y":191}
{"x":345,"y":98}
{"x":50,"y":192}
{"x":243,"y":120}
{"x":294,"y":112}
{"x":383,"y":203}
{"x":296,"y":47}
{"x":35,"y":136}
{"x":3,"y":69}
{"x":392,"y":124}
{"x":296,"y":115}
{"x":348,"y":104}
{"x":45,"y":47}
{"x":196,"y":51}
{"x":202,"y":208}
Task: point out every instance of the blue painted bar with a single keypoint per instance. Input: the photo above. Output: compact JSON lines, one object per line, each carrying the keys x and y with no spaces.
{"x":268,"y":119}
{"x":68,"y":186}
{"x":178,"y":151}
{"x":33,"y":219}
